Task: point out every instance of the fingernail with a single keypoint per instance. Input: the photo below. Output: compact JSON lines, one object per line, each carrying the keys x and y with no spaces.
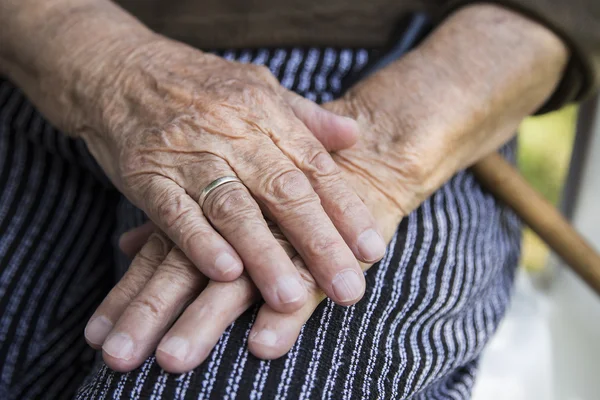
{"x":175,"y":347}
{"x":97,"y":330}
{"x":226,"y":263}
{"x":371,"y":245}
{"x":265,"y":337}
{"x":289,"y":289}
{"x":347,"y":285}
{"x":119,"y":345}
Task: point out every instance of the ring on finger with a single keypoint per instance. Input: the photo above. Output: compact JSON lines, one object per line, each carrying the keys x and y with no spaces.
{"x":215,"y":184}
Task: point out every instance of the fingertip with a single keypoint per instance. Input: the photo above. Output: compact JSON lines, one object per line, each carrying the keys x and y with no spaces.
{"x":173,"y":355}
{"x":351,"y":129}
{"x":289,"y":294}
{"x":221,"y":265}
{"x":169,"y":363}
{"x":96,"y":331}
{"x":126,"y":244}
{"x":287,"y":308}
{"x":228,"y":267}
{"x":348,"y":287}
{"x":219,"y":275}
{"x":344,"y":131}
{"x":268,"y":344}
{"x":371,"y":246}
{"x":119,"y":352}
{"x":117,"y":364}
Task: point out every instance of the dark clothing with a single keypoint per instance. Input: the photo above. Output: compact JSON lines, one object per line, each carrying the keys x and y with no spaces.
{"x":430,"y":307}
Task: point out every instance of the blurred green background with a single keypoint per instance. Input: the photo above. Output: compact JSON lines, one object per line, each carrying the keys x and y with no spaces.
{"x":545,"y":145}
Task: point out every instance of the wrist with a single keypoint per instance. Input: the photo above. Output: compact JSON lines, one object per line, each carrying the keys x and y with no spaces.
{"x":54,"y":50}
{"x":463,"y":92}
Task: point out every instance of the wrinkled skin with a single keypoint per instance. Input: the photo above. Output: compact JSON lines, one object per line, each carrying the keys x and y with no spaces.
{"x":421,"y":120}
{"x":161,"y":117}
{"x":164,"y":120}
{"x":177,"y":119}
{"x":161,"y":282}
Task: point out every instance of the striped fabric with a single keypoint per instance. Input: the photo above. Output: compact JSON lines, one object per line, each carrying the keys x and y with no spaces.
{"x":431,"y":304}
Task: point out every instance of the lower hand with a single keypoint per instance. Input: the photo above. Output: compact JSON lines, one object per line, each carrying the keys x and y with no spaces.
{"x":163,"y":299}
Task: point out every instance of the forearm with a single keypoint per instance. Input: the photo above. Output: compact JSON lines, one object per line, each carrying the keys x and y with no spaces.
{"x":52,"y":49}
{"x":463,"y":92}
{"x":577,"y":22}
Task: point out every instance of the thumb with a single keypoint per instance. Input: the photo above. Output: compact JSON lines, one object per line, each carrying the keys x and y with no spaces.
{"x":335,"y":132}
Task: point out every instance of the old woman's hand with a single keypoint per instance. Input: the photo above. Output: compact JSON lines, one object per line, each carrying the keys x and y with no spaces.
{"x":164,"y":299}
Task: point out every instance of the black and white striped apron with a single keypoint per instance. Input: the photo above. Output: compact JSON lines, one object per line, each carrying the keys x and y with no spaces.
{"x":430,"y":306}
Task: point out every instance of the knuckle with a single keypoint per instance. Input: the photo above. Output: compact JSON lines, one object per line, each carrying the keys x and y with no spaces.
{"x":135,"y":278}
{"x":322,"y":165}
{"x":180,"y":275}
{"x":151,"y":256}
{"x":148,"y":260}
{"x":208,"y":311}
{"x":155,"y":250}
{"x":291,"y":186}
{"x":318,"y":245}
{"x":347,"y":207}
{"x":173,"y":208}
{"x":126,"y":291}
{"x":231,"y":202}
{"x":190,"y":232}
{"x":151,"y":306}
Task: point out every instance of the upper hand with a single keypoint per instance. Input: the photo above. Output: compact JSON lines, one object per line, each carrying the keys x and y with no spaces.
{"x":157,"y":300}
{"x":172,"y":119}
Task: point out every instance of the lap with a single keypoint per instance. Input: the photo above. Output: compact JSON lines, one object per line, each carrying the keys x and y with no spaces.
{"x":430,"y":305}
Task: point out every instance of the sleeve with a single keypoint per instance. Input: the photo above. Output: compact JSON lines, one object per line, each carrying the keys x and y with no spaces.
{"x":577,"y":22}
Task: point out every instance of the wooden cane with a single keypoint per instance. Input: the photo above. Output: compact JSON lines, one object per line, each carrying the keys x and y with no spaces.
{"x":507,"y":184}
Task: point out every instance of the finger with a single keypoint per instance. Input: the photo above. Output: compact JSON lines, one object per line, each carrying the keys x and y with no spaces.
{"x":180,"y":217}
{"x":139,"y":273}
{"x":148,"y":316}
{"x":236,"y":216}
{"x":187,"y":344}
{"x":288,"y":196}
{"x":273,"y":333}
{"x":348,"y":212}
{"x":197,"y":330}
{"x":341,"y":203}
{"x":132,"y":241}
{"x":335,"y":132}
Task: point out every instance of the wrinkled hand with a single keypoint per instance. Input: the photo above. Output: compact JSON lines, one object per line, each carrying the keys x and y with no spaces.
{"x":172,"y":119}
{"x":161,"y":286}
